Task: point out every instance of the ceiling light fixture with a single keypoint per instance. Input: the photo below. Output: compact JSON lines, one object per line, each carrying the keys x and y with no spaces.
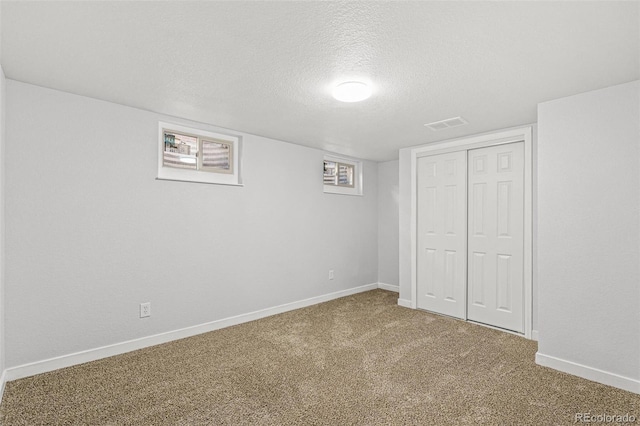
{"x":352,"y":91}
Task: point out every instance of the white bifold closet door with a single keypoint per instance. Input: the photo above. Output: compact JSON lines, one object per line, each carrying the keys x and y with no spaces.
{"x":496,"y":236}
{"x":470,"y":235}
{"x":442,"y":233}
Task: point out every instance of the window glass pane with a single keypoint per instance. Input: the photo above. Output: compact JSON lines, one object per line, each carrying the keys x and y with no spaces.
{"x":180,"y":151}
{"x":342,"y":176}
{"x":345,"y":174}
{"x":216,"y":155}
{"x":330,"y":173}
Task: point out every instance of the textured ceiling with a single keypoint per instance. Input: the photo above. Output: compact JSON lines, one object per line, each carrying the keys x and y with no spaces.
{"x":269,"y":67}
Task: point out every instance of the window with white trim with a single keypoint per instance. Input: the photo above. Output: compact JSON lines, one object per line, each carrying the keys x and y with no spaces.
{"x":342,"y":175}
{"x":197,"y":155}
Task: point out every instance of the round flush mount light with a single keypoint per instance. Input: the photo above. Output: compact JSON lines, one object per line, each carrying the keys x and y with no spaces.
{"x":352,"y":91}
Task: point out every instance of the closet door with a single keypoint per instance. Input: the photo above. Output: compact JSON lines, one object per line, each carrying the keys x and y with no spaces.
{"x":496,"y":236}
{"x":442,"y":233}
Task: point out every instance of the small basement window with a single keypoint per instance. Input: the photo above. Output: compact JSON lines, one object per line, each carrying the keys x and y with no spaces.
{"x":196,"y":155}
{"x":338,"y":174}
{"x":342,"y":176}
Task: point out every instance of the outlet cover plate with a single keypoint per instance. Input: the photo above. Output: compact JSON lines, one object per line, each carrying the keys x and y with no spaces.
{"x":145,"y":310}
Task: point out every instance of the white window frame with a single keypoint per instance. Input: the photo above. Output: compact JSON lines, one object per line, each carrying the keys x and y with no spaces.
{"x":206,"y":175}
{"x":356,"y":189}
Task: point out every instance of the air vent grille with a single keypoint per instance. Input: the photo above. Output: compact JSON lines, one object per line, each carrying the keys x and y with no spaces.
{"x":445,"y":124}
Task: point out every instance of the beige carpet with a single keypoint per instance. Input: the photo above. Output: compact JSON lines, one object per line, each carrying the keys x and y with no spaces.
{"x":359,"y":360}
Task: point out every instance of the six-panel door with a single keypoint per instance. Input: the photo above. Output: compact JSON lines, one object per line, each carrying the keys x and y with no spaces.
{"x":442,"y":233}
{"x":496,"y":236}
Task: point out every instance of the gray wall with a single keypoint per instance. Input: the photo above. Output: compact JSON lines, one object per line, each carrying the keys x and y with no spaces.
{"x":91,"y":233}
{"x":388,"y":204}
{"x":588,"y":229}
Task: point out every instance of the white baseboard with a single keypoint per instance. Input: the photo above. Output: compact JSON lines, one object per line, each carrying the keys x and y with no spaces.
{"x":534,"y":335}
{"x":3,"y":382}
{"x":404,"y":303}
{"x":389,"y":287}
{"x":63,"y":361}
{"x":589,"y":373}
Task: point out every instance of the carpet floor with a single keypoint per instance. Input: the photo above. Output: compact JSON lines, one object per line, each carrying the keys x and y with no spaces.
{"x":358,"y":360}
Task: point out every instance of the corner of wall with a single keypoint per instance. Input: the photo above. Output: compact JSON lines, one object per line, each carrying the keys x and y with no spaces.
{"x":404,"y":223}
{"x":387,"y":210}
{"x":2,"y":233}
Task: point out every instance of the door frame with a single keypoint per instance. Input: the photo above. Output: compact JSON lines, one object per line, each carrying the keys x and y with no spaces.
{"x":521,"y":134}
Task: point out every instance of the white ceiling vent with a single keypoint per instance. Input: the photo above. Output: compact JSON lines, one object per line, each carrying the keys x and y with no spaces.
{"x":445,"y":124}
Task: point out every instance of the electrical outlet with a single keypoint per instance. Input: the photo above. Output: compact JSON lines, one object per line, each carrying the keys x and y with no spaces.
{"x":145,"y":310}
{"x":330,"y":274}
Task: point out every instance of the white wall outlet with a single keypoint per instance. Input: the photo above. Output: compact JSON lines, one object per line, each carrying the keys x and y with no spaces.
{"x":330,"y":274}
{"x":145,"y":309}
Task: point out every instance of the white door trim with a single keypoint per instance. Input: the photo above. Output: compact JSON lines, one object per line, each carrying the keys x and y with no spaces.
{"x":498,"y":138}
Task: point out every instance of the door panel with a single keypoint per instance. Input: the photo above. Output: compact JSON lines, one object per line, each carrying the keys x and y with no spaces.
{"x":442,"y":233}
{"x":478,"y":278}
{"x":496,"y":245}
